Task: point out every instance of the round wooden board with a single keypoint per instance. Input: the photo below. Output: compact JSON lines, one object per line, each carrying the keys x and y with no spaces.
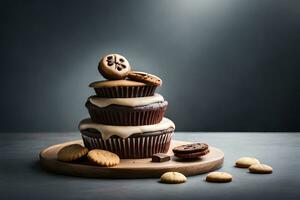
{"x":131,"y":168}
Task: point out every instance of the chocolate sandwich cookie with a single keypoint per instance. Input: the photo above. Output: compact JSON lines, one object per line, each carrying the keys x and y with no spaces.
{"x":122,"y":89}
{"x":191,"y":150}
{"x":127,"y":111}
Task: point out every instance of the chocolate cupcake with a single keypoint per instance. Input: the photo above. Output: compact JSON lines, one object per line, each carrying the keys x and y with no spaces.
{"x":127,"y":111}
{"x":122,"y":89}
{"x":128,"y":141}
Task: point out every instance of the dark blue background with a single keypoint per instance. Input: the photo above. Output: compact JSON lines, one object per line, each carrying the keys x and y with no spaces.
{"x":226,"y":65}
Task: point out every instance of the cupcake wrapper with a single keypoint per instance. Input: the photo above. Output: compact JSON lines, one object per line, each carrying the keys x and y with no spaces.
{"x":127,"y":116}
{"x":125,"y":91}
{"x":132,"y":147}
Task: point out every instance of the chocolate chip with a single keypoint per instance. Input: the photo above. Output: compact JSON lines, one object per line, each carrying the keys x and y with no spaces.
{"x":123,"y":66}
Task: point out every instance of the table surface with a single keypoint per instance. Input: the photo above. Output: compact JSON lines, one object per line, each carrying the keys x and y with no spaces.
{"x":22,"y":177}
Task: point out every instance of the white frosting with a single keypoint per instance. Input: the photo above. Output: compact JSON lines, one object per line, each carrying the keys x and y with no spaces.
{"x":139,"y":101}
{"x":124,"y":131}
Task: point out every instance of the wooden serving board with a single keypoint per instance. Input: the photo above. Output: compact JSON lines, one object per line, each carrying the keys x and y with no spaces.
{"x":131,"y":168}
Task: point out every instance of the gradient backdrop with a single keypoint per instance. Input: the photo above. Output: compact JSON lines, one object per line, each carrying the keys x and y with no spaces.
{"x":226,"y":65}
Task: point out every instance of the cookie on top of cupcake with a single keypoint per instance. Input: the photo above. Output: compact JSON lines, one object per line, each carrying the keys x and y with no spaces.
{"x":126,"y":115}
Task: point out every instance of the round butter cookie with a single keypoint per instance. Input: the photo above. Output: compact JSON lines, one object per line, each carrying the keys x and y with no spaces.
{"x":260,"y":169}
{"x":173,"y":178}
{"x":246,"y":162}
{"x":103,"y":158}
{"x":71,"y":152}
{"x":219,"y":177}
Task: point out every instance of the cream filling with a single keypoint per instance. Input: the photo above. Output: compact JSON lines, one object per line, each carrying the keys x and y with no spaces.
{"x":139,"y":101}
{"x":124,"y":131}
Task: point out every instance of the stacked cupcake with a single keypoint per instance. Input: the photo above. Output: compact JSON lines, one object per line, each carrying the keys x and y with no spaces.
{"x":126,"y":115}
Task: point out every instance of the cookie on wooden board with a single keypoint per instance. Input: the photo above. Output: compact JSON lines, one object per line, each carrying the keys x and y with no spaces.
{"x":190,"y":151}
{"x":103,"y":158}
{"x":71,"y":152}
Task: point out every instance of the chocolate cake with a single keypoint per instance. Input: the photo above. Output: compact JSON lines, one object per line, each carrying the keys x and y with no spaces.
{"x":127,"y":111}
{"x":126,"y":115}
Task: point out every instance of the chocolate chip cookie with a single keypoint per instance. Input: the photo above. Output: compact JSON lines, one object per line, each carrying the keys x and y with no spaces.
{"x":145,"y":78}
{"x":114,"y":67}
{"x":191,"y":150}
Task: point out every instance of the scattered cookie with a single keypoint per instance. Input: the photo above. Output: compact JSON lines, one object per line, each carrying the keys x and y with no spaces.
{"x":260,"y":169}
{"x":219,"y":177}
{"x":114,"y":67}
{"x":145,"y":78}
{"x":173,"y":178}
{"x":160,"y":157}
{"x":246,"y":162}
{"x":103,"y":158}
{"x":190,"y":151}
{"x":71,"y":152}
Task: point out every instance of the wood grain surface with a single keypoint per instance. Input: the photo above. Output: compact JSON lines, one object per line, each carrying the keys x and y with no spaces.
{"x":131,"y":168}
